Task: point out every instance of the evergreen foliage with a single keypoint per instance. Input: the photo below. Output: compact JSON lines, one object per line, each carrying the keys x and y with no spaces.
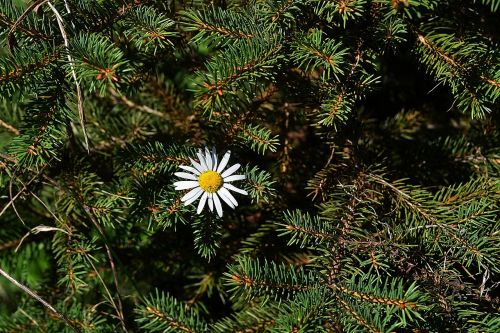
{"x":367,"y":133}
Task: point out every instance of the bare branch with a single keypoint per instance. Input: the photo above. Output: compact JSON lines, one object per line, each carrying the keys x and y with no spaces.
{"x":34,"y":295}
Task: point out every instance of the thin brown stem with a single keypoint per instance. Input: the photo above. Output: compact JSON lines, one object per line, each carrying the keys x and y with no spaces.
{"x":14,"y":26}
{"x":144,"y":108}
{"x":13,"y":198}
{"x":111,"y":263}
{"x":9,"y":127}
{"x":34,"y":295}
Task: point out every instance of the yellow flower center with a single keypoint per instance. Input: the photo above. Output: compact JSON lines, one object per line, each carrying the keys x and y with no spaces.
{"x":210,"y":181}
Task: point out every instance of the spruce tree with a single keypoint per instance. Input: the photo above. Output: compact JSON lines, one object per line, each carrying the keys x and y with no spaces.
{"x":366,"y":132}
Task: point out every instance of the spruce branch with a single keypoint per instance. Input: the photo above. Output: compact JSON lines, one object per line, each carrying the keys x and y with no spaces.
{"x":44,"y":130}
{"x":81,"y":112}
{"x":220,"y":25}
{"x":6,"y":22}
{"x":98,"y":62}
{"x":260,"y":185}
{"x":346,"y":9}
{"x":60,"y":22}
{"x":313,"y":53}
{"x":207,"y":234}
{"x":253,"y":320}
{"x":280,"y":13}
{"x":306,"y":230}
{"x":358,"y":317}
{"x":408,"y":301}
{"x":456,"y":62}
{"x":228,"y":73}
{"x":337,"y":109}
{"x":13,"y":27}
{"x":433,"y":223}
{"x":259,"y":139}
{"x":150,"y":29}
{"x":305,"y":312}
{"x":110,"y":14}
{"x":377,"y":212}
{"x":21,"y":71}
{"x":250,"y":279}
{"x":162,"y":312}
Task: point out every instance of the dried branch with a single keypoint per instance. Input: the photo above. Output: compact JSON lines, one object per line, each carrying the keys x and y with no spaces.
{"x":34,"y":295}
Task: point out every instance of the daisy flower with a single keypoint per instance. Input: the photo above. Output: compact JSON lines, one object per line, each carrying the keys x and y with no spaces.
{"x":208,"y":180}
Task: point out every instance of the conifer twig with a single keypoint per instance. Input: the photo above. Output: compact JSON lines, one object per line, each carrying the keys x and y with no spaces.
{"x":81,"y":112}
{"x":9,"y":245}
{"x":10,"y":36}
{"x":111,"y":263}
{"x":133,"y":105}
{"x":34,"y":295}
{"x":13,"y":198}
{"x":6,"y":22}
{"x":9,"y":127}
{"x":120,"y":314}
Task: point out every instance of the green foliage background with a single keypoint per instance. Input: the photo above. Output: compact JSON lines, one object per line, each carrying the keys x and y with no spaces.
{"x":367,"y":130}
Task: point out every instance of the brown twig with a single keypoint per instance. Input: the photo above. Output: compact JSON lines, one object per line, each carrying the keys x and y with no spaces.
{"x":13,"y":198}
{"x":16,"y":24}
{"x":10,"y":244}
{"x":5,"y":21}
{"x":34,"y":295}
{"x":101,"y":231}
{"x":144,"y":108}
{"x":9,"y":127}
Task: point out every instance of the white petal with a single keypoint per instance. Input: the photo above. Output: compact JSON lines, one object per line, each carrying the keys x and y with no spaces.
{"x":231,"y":170}
{"x":218,"y":205}
{"x":202,"y":160}
{"x":191,"y":193}
{"x":197,"y":165}
{"x":224,"y":197}
{"x":186,"y":175}
{"x":235,"y":189}
{"x":185,"y":184}
{"x":214,"y":159}
{"x":223,"y":192}
{"x":201,"y":204}
{"x":190,"y":169}
{"x":194,"y":198}
{"x":210,"y":202}
{"x":224,"y":161}
{"x":208,"y":159}
{"x":234,"y":178}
